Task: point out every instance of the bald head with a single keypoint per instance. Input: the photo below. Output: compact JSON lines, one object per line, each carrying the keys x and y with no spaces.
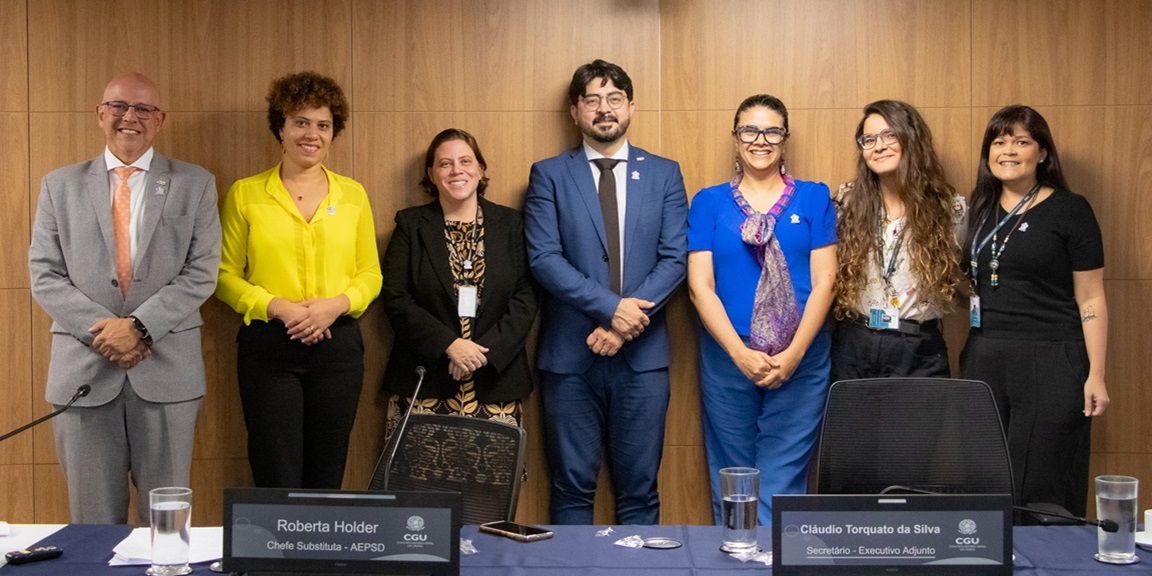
{"x":129,"y":136}
{"x":135,"y":82}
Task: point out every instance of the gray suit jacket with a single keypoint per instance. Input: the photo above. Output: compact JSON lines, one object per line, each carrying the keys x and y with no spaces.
{"x":73,"y":267}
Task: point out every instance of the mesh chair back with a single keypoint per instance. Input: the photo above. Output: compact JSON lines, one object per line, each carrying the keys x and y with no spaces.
{"x":930,"y":434}
{"x":481,"y":459}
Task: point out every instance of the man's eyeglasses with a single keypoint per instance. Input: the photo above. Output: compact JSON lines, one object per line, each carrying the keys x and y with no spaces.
{"x":868,"y":141}
{"x":749,"y":134}
{"x":119,"y":108}
{"x":615,"y":100}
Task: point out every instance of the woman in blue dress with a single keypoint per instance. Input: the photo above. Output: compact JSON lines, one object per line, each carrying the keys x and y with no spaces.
{"x":761,"y":265}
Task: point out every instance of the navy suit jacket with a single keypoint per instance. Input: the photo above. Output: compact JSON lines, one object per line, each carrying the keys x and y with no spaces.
{"x":568,"y":255}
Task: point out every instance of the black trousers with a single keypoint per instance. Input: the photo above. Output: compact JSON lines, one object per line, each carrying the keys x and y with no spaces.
{"x":1039,"y":389}
{"x":299,"y":402}
{"x":859,"y":352}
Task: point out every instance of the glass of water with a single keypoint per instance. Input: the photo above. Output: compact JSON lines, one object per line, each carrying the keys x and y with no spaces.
{"x":739,"y":501}
{"x":171,"y":510}
{"x":1116,"y":501}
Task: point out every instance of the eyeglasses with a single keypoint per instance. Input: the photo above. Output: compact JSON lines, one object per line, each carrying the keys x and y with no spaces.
{"x":615,"y":100}
{"x":119,"y":108}
{"x":749,"y":134}
{"x":868,"y":141}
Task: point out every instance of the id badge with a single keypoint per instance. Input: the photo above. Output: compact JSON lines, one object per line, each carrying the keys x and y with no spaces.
{"x":974,"y":311}
{"x":883,"y":319}
{"x":466,"y":302}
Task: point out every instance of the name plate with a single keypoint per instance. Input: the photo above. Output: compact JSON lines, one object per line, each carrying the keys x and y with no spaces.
{"x":903,"y":535}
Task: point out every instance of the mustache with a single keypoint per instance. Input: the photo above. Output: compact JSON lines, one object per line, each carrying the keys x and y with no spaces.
{"x":605,"y":117}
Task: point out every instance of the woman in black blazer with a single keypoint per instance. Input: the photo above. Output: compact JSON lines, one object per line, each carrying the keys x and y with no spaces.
{"x":458,"y":293}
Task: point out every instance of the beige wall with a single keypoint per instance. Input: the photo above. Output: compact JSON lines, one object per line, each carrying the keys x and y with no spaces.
{"x":499,"y":68}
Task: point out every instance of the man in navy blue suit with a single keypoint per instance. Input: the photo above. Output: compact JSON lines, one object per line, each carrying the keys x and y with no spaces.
{"x":606,"y":228}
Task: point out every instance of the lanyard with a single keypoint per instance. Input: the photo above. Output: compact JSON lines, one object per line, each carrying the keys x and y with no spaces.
{"x":976,"y":249}
{"x":891,"y":268}
{"x":473,"y":246}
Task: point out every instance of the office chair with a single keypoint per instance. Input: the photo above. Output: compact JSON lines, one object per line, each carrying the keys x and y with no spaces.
{"x":931,"y":434}
{"x":481,"y":459}
{"x":925,"y":434}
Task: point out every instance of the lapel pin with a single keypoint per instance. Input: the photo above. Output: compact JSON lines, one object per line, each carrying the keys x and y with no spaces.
{"x":795,"y":218}
{"x":161,"y":187}
{"x":1024,"y":227}
{"x":635,"y":174}
{"x":331,"y":210}
{"x":639,"y":158}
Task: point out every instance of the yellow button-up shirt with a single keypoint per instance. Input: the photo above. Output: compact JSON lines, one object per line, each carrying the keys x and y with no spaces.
{"x":269,"y":250}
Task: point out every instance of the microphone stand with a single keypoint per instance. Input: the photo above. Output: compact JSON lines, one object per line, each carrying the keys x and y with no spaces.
{"x":398,"y":433}
{"x":1105,"y":524}
{"x":81,"y":392}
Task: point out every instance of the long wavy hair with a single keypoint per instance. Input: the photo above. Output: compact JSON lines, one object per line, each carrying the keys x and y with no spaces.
{"x":1008,"y":120}
{"x":930,"y":244}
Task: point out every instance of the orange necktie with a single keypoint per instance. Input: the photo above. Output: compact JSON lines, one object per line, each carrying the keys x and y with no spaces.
{"x":121,"y":221}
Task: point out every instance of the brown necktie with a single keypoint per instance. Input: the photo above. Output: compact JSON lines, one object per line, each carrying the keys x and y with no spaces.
{"x":121,"y":221}
{"x":611,"y":214}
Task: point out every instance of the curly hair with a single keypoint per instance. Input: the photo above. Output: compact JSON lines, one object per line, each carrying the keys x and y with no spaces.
{"x":932,"y":246}
{"x":447,"y":135}
{"x":295,"y":92}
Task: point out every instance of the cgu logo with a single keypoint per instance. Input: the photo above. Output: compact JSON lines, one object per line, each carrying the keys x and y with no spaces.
{"x":415,"y":537}
{"x":967,"y":540}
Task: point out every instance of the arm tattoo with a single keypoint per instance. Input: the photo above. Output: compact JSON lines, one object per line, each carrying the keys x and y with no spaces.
{"x":1088,"y":314}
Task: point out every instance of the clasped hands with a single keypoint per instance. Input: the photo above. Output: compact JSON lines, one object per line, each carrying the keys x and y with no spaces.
{"x":464,"y":358}
{"x":628,"y":322}
{"x":308,"y":321}
{"x":766,"y":371}
{"x":118,"y":341}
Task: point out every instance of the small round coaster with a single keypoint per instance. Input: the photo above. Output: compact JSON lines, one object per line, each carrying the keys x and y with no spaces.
{"x":1100,"y":558}
{"x":661,"y":543}
{"x":755,"y":550}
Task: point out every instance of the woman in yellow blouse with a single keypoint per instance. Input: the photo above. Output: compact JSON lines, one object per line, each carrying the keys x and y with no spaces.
{"x":300,"y":263}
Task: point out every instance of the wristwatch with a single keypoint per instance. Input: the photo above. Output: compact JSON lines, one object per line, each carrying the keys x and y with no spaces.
{"x":142,"y":329}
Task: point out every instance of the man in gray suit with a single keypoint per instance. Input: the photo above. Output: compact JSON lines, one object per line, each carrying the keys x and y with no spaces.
{"x":125,"y":249}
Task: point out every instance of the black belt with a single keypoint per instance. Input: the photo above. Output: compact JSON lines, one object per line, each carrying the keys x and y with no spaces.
{"x":910,"y":327}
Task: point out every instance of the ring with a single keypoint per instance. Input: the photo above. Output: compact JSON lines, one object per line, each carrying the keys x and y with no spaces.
{"x":310,"y":329}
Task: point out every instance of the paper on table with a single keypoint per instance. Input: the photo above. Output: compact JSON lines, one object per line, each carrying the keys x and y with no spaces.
{"x":136,"y":550}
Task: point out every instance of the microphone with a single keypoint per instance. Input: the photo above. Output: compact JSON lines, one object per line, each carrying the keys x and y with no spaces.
{"x":398,"y":433}
{"x":1053,"y":510}
{"x":81,"y":392}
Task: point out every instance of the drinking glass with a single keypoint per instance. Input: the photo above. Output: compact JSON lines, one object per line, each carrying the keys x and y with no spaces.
{"x":739,"y":501}
{"x":171,"y":530}
{"x":1116,"y":501}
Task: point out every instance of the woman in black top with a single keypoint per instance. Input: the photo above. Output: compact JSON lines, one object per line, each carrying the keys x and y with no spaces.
{"x":1039,"y":317}
{"x":458,"y":293}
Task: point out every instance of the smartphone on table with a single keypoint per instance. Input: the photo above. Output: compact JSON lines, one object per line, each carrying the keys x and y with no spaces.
{"x":518,"y":532}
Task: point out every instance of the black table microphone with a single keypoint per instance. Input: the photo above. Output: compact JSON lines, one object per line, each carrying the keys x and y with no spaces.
{"x":81,"y":392}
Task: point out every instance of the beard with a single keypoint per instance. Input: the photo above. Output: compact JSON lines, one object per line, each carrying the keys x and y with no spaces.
{"x":608,"y":134}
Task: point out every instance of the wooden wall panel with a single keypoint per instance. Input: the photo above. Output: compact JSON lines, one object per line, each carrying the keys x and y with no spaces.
{"x":1126,"y":48}
{"x":713,"y":54}
{"x":1125,"y":427}
{"x":501,"y":70}
{"x":209,"y":55}
{"x":15,"y":504}
{"x":14,"y":200}
{"x":1038,"y":52}
{"x":14,"y":55}
{"x":1123,"y":203}
{"x":16,"y":372}
{"x":891,"y":60}
{"x":496,"y":55}
{"x":50,"y":497}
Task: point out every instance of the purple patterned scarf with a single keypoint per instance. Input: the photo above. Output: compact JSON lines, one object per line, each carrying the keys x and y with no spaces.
{"x":775,"y":314}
